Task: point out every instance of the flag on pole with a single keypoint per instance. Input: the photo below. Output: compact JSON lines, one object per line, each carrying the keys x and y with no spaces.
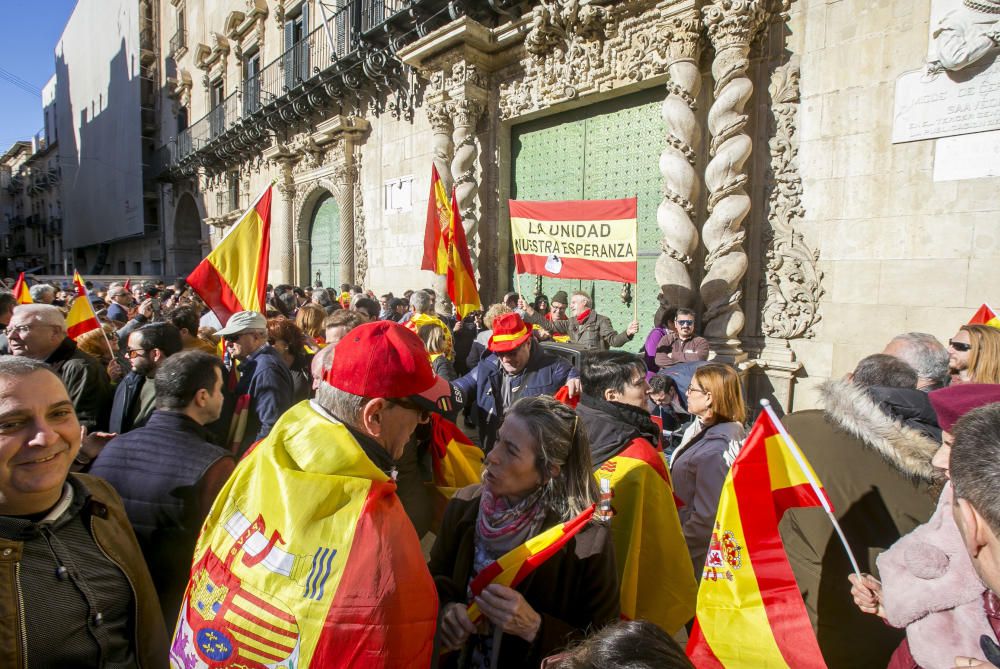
{"x":576,"y":239}
{"x":648,"y":539}
{"x":985,"y":316}
{"x":514,"y":566}
{"x":750,"y":612}
{"x":81,"y":317}
{"x":439,"y":215}
{"x":21,"y":292}
{"x":461,"y":277}
{"x":233,"y":277}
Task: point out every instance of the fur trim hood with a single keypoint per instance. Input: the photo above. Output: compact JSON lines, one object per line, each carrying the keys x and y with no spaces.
{"x":906,"y":449}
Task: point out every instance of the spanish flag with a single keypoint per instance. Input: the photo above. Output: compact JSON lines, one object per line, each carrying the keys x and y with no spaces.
{"x":436,"y":255}
{"x":456,"y":461}
{"x":307,"y":559}
{"x":985,"y":316}
{"x":419,"y":320}
{"x":81,"y":317}
{"x":514,"y":566}
{"x":649,"y":542}
{"x":21,"y":292}
{"x":750,"y":612}
{"x":461,"y":277}
{"x":234,"y":275}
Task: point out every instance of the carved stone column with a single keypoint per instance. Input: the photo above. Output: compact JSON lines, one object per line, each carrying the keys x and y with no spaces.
{"x":282,"y":226}
{"x":675,"y":215}
{"x":443,"y":151}
{"x":732,"y":25}
{"x":344,"y":178}
{"x":467,"y":102}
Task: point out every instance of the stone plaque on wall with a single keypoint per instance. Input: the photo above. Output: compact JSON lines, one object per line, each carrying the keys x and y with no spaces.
{"x":958,"y":90}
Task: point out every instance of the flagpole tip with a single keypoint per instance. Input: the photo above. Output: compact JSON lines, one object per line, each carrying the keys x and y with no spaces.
{"x":765,"y":403}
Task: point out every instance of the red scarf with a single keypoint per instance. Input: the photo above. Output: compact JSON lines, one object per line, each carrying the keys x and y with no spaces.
{"x":582,"y":317}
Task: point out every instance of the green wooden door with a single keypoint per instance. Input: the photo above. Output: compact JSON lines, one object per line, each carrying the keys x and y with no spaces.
{"x":324,"y":240}
{"x":604,"y":151}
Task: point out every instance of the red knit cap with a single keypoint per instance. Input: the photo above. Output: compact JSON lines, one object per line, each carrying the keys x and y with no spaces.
{"x":955,"y":401}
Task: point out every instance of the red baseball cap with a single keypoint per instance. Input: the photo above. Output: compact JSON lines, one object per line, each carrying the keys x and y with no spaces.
{"x":509,"y":332}
{"x":384,"y":359}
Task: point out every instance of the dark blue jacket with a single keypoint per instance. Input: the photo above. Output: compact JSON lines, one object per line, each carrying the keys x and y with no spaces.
{"x":268,"y":381}
{"x":123,"y":407}
{"x":484,"y":386}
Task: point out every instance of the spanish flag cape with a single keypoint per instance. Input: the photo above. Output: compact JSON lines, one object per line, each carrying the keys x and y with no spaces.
{"x":654,"y":568}
{"x":750,"y":612}
{"x":456,"y":461}
{"x":307,"y":559}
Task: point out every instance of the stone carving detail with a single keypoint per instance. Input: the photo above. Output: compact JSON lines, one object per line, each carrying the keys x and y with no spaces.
{"x":794,"y":285}
{"x":465,"y":114}
{"x":675,"y":215}
{"x":344,"y":179}
{"x":442,"y":146}
{"x":576,"y":47}
{"x":360,"y":243}
{"x":732,"y":25}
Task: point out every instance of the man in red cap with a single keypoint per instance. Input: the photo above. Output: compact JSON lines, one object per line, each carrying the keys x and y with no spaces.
{"x":518,"y":367}
{"x":309,"y":534}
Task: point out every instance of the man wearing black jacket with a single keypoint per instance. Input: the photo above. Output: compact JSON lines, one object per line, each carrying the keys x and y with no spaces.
{"x":148,"y":347}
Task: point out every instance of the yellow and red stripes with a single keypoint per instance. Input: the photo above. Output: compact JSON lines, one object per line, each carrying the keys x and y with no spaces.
{"x":439,"y":215}
{"x":21,"y":292}
{"x":750,"y":611}
{"x":81,"y":317}
{"x":461,"y":281}
{"x":985,"y":316}
{"x":233,"y":277}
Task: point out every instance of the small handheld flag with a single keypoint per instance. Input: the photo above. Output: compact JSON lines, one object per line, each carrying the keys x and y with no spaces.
{"x":21,"y":292}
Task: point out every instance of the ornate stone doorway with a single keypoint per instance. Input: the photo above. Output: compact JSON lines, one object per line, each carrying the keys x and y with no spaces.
{"x":324,"y":243}
{"x":606,"y":150}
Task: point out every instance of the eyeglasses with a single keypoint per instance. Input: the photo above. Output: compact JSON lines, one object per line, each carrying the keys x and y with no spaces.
{"x":425,"y":415}
{"x":131,"y":353}
{"x":961,"y":347}
{"x":685,"y":323}
{"x":21,"y":330}
{"x":693,"y":389}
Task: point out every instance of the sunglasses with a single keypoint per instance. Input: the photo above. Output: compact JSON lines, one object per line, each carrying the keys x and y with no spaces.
{"x":959,"y":346}
{"x":425,"y":415}
{"x":230,"y":339}
{"x":684,"y":323}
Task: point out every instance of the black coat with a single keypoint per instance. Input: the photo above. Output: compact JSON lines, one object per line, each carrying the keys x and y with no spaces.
{"x":575,"y":590}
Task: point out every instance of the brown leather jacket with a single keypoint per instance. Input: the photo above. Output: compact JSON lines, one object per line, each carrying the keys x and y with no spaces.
{"x":114,"y":537}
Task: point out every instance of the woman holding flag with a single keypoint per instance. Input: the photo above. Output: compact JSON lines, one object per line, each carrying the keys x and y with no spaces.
{"x":521,"y":565}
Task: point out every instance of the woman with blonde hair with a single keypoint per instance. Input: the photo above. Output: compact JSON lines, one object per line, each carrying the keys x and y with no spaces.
{"x":536,"y":476}
{"x":434,"y":342}
{"x":700,"y":464}
{"x":309,"y":319}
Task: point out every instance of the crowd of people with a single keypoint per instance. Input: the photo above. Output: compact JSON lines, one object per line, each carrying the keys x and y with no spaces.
{"x":267,"y":491}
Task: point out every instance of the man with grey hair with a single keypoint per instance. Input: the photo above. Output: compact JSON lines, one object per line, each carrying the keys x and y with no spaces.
{"x":38,"y":331}
{"x":925,"y":354}
{"x":333,"y":461}
{"x":587,"y":328}
{"x":119,"y":302}
{"x":43,"y":293}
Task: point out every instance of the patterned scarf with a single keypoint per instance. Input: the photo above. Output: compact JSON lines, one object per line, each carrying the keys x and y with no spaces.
{"x":502,"y":527}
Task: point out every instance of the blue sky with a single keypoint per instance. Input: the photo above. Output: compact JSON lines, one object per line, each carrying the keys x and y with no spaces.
{"x":28,"y":35}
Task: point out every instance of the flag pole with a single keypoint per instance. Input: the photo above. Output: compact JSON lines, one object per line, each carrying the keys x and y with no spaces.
{"x":800,"y":460}
{"x":635,"y":297}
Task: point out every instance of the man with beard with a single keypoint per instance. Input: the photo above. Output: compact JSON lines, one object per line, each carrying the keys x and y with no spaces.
{"x":135,"y":396}
{"x":657,"y":583}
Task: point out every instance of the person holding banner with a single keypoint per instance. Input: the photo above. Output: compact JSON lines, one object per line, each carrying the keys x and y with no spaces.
{"x":538,"y":476}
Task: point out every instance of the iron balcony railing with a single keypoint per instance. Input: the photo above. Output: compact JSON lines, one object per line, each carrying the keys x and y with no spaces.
{"x":304,"y":60}
{"x":178,"y":41}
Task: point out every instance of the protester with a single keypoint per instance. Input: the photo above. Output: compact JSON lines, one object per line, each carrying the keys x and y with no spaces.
{"x":95,"y":343}
{"x":397,"y":308}
{"x":422,"y":313}
{"x":478,"y":349}
{"x":699,"y":465}
{"x":538,"y":475}
{"x":635,"y":644}
{"x":624,"y":452}
{"x":541,"y":305}
{"x":38,"y":331}
{"x":874,"y":462}
{"x":558,"y":304}
{"x":134,"y":400}
{"x":366,"y":306}
{"x":332,"y":460}
{"x":433,"y":340}
{"x":78,"y":592}
{"x":516,"y":367}
{"x":265,"y":386}
{"x":590,"y":330}
{"x":681,"y":344}
{"x":7,"y":303}
{"x":185,"y":319}
{"x":940,"y":606}
{"x":663,"y":321}
{"x":120,"y":302}
{"x":168,"y":473}
{"x":339,"y":323}
{"x":976,"y":479}
{"x":974,"y":355}
{"x":309,"y":320}
{"x":925,"y":354}
{"x":42,"y":293}
{"x":290,"y":343}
